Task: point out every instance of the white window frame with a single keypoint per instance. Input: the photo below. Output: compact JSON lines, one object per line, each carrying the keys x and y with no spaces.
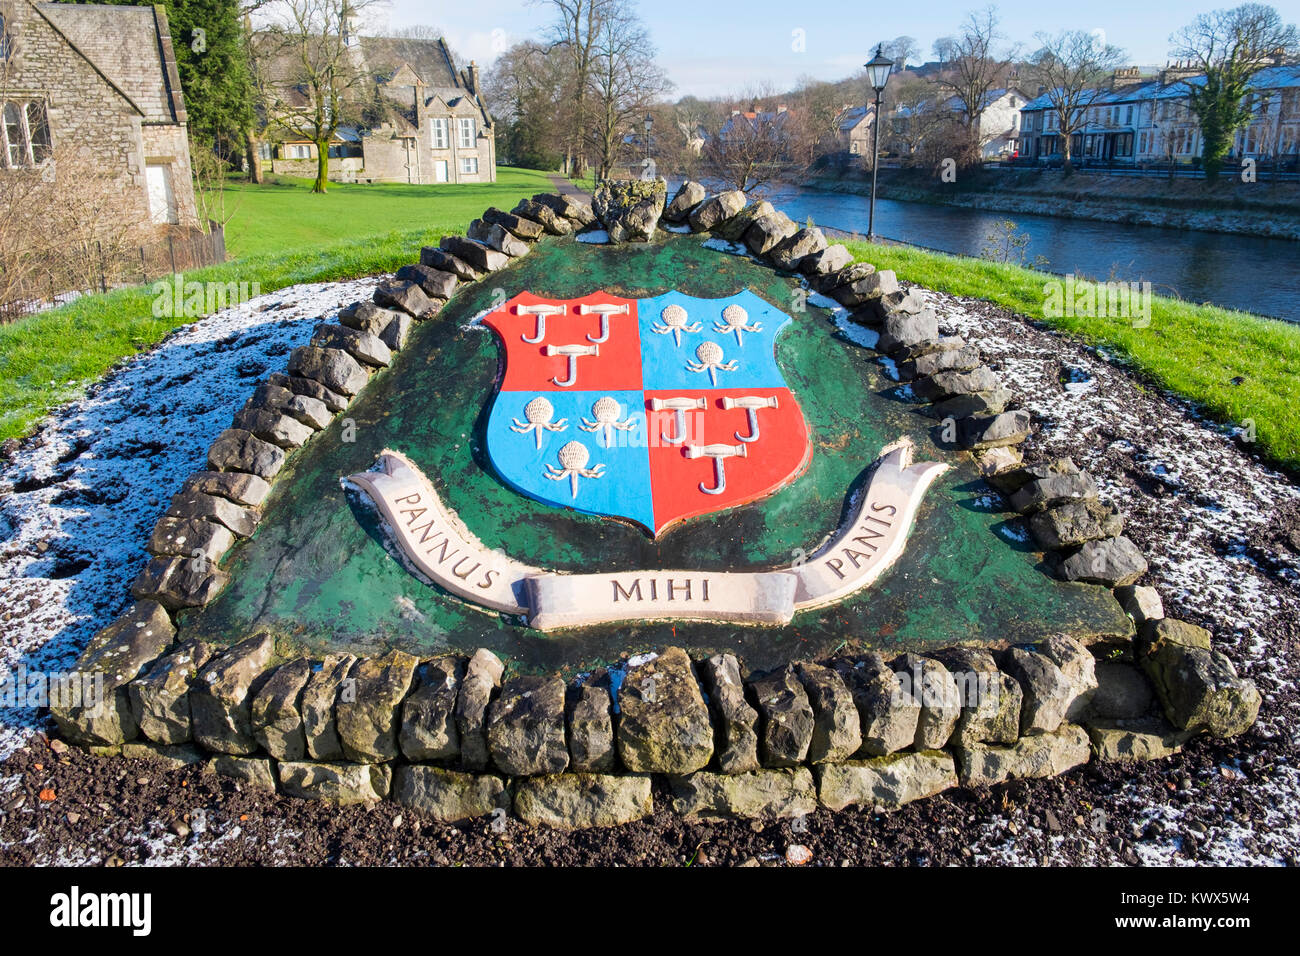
{"x":28,"y":158}
{"x":466,"y":162}
{"x":438,"y":132}
{"x":294,"y":151}
{"x":465,"y":132}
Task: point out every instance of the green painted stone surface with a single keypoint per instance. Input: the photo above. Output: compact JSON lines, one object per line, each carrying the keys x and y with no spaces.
{"x":317,"y":575}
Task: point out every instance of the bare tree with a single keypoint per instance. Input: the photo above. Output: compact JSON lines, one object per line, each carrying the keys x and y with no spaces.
{"x":692,"y":120}
{"x":750,"y":151}
{"x":1229,"y":46}
{"x":942,"y":49}
{"x":311,"y":73}
{"x":625,"y":82}
{"x":900,"y":50}
{"x":574,"y":35}
{"x":915,"y":113}
{"x":817,"y":106}
{"x":976,"y":63}
{"x":210,"y":180}
{"x":66,"y":225}
{"x":529,"y":94}
{"x":1071,"y":65}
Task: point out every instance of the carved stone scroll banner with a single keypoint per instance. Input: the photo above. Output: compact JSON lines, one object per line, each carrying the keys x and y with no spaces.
{"x":436,"y":545}
{"x":574,"y":600}
{"x":876,"y":536}
{"x":434,"y":541}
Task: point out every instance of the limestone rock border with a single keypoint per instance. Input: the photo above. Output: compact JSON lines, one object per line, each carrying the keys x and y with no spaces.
{"x":456,"y":738}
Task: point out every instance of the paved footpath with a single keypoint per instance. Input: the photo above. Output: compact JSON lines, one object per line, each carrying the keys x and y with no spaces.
{"x":566,"y":187}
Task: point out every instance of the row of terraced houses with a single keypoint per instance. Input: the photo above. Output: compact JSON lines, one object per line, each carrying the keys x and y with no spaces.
{"x":1147,"y":121}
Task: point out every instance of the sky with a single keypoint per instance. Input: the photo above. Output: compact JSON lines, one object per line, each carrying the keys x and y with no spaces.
{"x":727,"y":47}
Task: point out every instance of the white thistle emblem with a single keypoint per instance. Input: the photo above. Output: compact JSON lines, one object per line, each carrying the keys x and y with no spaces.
{"x":710,"y":360}
{"x":675,"y":320}
{"x":573,"y":465}
{"x":538,"y":412}
{"x":735,"y":319}
{"x":606,"y":411}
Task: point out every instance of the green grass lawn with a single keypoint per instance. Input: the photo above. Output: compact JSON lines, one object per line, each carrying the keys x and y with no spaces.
{"x":285,"y":215}
{"x":1193,"y":350}
{"x":280,"y":235}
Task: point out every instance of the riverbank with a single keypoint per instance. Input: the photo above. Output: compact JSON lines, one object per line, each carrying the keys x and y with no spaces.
{"x":1239,"y":369}
{"x":1265,"y":209}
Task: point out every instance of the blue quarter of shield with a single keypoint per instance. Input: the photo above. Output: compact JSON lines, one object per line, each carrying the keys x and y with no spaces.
{"x":746,"y":338}
{"x":614,"y":448}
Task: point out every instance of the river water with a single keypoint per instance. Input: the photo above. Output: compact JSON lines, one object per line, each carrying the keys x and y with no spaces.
{"x":1240,"y":272}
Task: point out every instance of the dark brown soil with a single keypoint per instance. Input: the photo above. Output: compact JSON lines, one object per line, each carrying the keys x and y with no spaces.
{"x":130,"y":811}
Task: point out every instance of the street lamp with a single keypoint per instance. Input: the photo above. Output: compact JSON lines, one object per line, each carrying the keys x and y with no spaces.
{"x":877,"y":75}
{"x":649,"y":122}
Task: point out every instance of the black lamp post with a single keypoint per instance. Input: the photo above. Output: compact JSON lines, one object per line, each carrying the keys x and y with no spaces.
{"x":649,"y":122}
{"x":877,"y":75}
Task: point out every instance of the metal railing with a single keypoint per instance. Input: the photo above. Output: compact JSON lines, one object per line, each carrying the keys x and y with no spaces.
{"x":176,"y":252}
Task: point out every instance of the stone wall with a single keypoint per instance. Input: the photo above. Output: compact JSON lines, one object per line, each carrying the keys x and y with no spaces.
{"x":457,"y":737}
{"x":346,"y":170}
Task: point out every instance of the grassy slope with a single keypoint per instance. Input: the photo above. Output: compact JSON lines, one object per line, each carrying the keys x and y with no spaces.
{"x":1193,"y":350}
{"x":280,"y":235}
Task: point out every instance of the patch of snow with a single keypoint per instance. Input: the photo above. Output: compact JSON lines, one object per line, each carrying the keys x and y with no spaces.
{"x":596,"y":237}
{"x":722,"y":245}
{"x":855,"y":333}
{"x":475,"y":322}
{"x":84,"y":492}
{"x":683,"y":229}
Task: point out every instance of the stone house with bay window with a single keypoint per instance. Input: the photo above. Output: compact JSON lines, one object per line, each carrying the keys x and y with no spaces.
{"x":97,"y":82}
{"x":437,"y":129}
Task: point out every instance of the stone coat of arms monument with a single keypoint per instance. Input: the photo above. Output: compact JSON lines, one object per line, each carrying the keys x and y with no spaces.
{"x":649,"y":411}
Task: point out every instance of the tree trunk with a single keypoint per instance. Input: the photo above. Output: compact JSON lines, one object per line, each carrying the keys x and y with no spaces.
{"x":322,"y":167}
{"x":253,"y":158}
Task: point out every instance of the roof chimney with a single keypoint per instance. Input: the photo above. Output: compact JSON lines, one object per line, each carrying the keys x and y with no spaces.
{"x":471,"y":78}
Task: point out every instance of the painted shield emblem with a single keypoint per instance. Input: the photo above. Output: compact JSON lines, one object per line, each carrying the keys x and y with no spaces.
{"x":648,"y":410}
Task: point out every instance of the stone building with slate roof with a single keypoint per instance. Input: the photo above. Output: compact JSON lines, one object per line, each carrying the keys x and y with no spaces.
{"x":1140,"y":121}
{"x":101,"y":79}
{"x":439,"y":129}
